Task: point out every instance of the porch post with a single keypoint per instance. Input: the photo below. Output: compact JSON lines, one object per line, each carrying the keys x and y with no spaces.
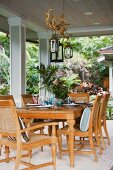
{"x":44,"y":56}
{"x":18,"y":57}
{"x":111,"y":78}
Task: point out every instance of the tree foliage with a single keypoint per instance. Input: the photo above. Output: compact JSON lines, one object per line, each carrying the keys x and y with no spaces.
{"x":32,"y":76}
{"x":4,"y":64}
{"x":88,"y":48}
{"x":84,"y":63}
{"x":4,"y":41}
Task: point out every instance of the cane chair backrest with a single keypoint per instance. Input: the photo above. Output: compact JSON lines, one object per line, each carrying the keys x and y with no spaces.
{"x":102,"y":113}
{"x":78,"y":97}
{"x":8,"y":118}
{"x":26,"y":98}
{"x":95,"y":112}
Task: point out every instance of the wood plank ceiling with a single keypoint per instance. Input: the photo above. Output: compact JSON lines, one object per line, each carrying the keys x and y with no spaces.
{"x":86,"y":17}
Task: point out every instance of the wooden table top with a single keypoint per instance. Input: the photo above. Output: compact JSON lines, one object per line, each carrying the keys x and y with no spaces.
{"x":51,"y":113}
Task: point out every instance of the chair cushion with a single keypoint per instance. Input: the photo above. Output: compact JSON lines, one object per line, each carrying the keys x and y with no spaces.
{"x":25,"y":137}
{"x":84,"y":122}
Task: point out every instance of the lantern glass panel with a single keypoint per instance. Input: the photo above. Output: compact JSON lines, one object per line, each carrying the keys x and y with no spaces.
{"x":57,"y":56}
{"x":68,"y":52}
{"x":54,"y":45}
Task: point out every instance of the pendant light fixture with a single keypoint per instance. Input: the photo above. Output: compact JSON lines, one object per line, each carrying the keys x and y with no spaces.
{"x":58,"y":25}
{"x":57,"y":56}
{"x":54,"y":44}
{"x":68,"y":51}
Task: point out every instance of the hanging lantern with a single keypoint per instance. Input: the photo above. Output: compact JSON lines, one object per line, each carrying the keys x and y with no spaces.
{"x":68,"y":51}
{"x":54,"y":44}
{"x":57,"y":56}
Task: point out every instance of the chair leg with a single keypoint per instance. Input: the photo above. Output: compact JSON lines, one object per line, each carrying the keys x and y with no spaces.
{"x":57,"y":127}
{"x":67,"y":137}
{"x":101,"y":136}
{"x":98,"y":142}
{"x":0,"y":149}
{"x":106,"y":132}
{"x":92,"y":147}
{"x":0,"y":145}
{"x":50,"y":130}
{"x":18,"y":157}
{"x":53,"y":149}
{"x":30,"y":154}
{"x":42,"y":132}
{"x":60,"y":145}
{"x":6,"y":152}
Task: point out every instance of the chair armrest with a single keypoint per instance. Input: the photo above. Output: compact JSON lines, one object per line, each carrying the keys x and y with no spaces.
{"x":39,"y":126}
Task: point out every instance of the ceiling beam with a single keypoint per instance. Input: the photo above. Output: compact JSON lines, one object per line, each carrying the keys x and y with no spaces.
{"x":8,"y":13}
{"x":89,"y":30}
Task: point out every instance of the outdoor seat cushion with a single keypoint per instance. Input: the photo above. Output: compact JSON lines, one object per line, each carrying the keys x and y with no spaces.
{"x":25,"y":137}
{"x":84,"y":122}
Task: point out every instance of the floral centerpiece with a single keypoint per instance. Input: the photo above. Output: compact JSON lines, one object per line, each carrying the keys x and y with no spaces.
{"x":57,"y":80}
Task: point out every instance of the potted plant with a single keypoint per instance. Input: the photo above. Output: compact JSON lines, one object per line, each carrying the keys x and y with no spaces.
{"x":57,"y":80}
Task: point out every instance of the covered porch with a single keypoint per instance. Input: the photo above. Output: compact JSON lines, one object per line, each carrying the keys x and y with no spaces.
{"x":26,"y":21}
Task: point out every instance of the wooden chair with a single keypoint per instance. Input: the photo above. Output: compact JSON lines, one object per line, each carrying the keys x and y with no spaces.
{"x":84,"y":134}
{"x":26,"y":121}
{"x":26,"y":98}
{"x":8,"y":97}
{"x":78,"y":97}
{"x":9,"y":126}
{"x":102,"y":119}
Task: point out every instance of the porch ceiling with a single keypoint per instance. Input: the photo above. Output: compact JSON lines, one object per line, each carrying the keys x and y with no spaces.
{"x":86,"y":17}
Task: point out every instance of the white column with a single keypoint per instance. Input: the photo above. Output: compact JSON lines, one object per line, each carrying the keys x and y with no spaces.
{"x":111,"y":78}
{"x":18,"y":57}
{"x":44,"y":55}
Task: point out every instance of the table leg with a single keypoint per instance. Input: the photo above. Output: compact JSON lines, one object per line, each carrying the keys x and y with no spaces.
{"x":71,"y":141}
{"x":0,"y":145}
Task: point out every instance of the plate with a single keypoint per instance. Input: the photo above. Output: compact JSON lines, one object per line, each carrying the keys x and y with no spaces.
{"x":44,"y":106}
{"x":33,"y":104}
{"x":70,"y":105}
{"x":81,"y":102}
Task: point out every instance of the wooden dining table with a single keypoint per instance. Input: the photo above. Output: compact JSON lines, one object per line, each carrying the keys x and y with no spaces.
{"x":68,"y":114}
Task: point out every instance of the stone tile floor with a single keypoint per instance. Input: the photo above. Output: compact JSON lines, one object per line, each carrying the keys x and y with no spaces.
{"x":82,"y":162}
